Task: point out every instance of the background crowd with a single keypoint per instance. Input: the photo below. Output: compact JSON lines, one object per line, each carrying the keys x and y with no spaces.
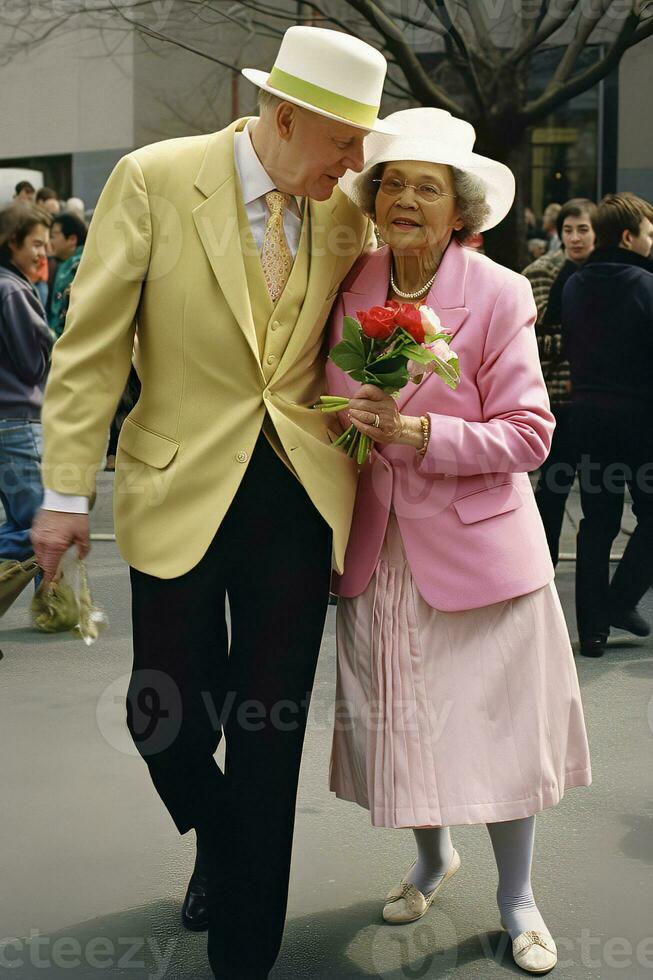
{"x":41,"y":245}
{"x":592,"y":281}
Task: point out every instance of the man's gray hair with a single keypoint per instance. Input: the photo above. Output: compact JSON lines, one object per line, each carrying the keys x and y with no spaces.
{"x":470,"y":199}
{"x":267,"y":100}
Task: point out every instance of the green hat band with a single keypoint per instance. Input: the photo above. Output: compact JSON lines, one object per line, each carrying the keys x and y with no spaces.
{"x":348,"y":109}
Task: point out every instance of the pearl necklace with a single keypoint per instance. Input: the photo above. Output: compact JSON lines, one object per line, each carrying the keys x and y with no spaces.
{"x":422,"y":291}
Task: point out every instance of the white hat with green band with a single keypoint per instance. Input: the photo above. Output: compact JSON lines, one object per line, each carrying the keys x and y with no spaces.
{"x":328,"y":72}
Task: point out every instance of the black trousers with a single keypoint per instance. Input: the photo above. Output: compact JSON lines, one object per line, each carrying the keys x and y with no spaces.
{"x":556,"y":478}
{"x":615,"y":446}
{"x":193,"y":683}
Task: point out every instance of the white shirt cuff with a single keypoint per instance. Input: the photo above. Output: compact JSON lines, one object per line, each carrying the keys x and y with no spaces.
{"x":69,"y":503}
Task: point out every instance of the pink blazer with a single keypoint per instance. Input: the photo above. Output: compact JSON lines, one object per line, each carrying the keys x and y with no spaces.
{"x":467,"y":514}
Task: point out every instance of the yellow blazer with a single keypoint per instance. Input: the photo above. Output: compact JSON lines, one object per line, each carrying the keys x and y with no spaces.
{"x":162,"y":275}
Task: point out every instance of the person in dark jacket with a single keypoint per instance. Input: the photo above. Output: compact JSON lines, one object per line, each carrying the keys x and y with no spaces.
{"x":607,"y":332}
{"x":548,"y":277}
{"x":25,"y":345}
{"x":67,"y":239}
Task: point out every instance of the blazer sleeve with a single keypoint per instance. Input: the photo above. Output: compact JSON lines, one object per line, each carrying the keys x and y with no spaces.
{"x":515,"y":434}
{"x":92,"y":358}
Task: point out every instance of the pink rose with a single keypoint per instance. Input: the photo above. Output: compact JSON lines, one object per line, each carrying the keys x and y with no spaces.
{"x":442,"y":350}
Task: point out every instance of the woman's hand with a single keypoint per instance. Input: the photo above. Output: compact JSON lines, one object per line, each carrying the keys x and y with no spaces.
{"x":376,"y":415}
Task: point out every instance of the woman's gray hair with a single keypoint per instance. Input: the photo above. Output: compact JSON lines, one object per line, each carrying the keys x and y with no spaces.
{"x":470,"y":199}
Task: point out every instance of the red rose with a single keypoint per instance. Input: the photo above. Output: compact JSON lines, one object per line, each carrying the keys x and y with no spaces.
{"x":409,"y":318}
{"x":378,"y":322}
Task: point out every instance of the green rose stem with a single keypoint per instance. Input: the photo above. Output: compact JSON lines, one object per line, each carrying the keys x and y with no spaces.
{"x":332,"y":403}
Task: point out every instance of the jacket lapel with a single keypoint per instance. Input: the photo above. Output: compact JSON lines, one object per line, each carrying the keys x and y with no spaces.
{"x":370,"y":288}
{"x":446,"y":298}
{"x":216,"y":221}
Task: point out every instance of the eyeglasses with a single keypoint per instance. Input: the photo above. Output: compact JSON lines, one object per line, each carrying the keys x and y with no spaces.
{"x":427,"y":193}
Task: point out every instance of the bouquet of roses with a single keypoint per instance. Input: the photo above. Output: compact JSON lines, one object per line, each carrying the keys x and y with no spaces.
{"x":388,"y":346}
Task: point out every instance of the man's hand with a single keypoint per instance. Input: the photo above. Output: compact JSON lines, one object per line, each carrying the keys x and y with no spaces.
{"x":53,"y":533}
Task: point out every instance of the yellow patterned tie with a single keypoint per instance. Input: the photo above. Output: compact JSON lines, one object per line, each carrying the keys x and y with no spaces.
{"x":276,"y":257}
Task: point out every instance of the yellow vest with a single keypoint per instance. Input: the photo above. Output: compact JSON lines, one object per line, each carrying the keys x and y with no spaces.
{"x":274,"y":323}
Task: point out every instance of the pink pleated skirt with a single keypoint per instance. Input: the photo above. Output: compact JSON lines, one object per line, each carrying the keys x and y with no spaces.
{"x":446,"y":718}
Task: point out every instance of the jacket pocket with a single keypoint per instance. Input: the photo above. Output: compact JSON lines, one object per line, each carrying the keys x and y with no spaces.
{"x":150,"y":447}
{"x":482,"y":504}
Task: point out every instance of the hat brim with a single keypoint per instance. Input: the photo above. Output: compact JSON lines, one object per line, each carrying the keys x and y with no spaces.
{"x":498,"y":179}
{"x":260,"y":79}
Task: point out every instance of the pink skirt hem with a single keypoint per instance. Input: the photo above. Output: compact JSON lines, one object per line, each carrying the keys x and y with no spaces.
{"x":467,"y":813}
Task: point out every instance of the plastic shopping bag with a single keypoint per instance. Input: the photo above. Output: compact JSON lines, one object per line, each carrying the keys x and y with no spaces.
{"x":66,"y":603}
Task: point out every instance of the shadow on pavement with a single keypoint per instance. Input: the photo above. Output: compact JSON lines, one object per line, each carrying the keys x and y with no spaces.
{"x":145,"y":944}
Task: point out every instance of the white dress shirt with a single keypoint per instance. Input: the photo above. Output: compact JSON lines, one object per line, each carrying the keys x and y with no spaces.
{"x":255,"y":183}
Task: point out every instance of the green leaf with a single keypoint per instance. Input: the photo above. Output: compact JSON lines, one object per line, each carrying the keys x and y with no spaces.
{"x":347,"y":359}
{"x":418,"y":354}
{"x":387,"y":365}
{"x":447,"y":373}
{"x":351,"y":333}
{"x":391,"y":380}
{"x":343,"y":346}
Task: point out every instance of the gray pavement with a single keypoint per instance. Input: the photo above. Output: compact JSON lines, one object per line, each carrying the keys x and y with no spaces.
{"x":92,"y":869}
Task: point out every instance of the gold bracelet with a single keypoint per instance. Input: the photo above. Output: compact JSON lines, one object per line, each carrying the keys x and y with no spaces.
{"x":426,"y":434}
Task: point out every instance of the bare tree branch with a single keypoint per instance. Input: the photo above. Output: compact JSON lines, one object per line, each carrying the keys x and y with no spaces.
{"x":423,"y":88}
{"x":160,"y":36}
{"x":585,"y":29}
{"x":480,"y":27}
{"x":269,"y":11}
{"x":548,"y":27}
{"x":441,"y":11}
{"x":436,"y":28}
{"x":644,"y":30}
{"x":556,"y":95}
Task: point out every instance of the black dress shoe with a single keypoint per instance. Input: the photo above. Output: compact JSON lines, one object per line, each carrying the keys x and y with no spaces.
{"x":195,"y":910}
{"x":593,"y":646}
{"x":631,"y":621}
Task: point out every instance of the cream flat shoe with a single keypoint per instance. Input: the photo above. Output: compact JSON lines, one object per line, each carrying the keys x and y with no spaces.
{"x":534,"y":951}
{"x":406,"y":903}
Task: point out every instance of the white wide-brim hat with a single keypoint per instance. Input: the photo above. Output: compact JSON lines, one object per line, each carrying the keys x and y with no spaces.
{"x":328,"y":72}
{"x":435,"y":136}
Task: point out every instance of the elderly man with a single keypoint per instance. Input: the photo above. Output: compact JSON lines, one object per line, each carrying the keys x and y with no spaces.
{"x":227,"y":250}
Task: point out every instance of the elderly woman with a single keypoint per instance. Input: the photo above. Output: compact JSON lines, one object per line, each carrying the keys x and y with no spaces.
{"x":458,"y":695}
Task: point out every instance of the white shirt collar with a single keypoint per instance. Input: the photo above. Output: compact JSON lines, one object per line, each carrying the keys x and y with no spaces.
{"x":255,"y":181}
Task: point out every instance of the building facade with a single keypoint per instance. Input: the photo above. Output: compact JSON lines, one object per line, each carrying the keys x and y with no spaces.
{"x":76,"y":102}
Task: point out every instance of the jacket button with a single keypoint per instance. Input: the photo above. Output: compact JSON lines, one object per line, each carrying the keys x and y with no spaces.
{"x":275,"y":324}
{"x":271,"y":358}
{"x":242,"y":456}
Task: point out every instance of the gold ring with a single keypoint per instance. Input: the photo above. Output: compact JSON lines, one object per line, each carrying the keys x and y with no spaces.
{"x":377,"y":422}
